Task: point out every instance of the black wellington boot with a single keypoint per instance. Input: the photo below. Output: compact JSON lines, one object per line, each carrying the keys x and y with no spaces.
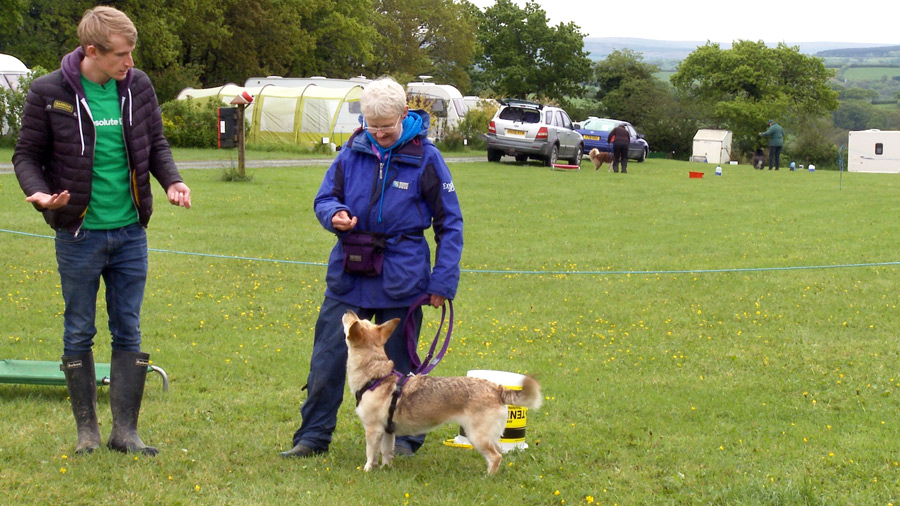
{"x":127,"y":374}
{"x":82,"y":386}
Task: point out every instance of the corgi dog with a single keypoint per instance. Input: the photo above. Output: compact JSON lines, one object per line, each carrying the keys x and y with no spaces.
{"x":422,"y":402}
{"x":600,"y":157}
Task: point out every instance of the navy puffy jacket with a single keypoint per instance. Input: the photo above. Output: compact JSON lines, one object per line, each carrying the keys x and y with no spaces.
{"x":55,"y":149}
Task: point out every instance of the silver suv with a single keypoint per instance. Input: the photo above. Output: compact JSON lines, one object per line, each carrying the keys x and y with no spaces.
{"x":530,"y":130}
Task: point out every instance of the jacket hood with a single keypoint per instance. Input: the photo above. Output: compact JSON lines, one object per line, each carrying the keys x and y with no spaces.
{"x":71,"y":70}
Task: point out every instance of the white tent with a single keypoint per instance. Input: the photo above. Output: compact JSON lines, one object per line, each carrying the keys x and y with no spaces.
{"x":874,"y":151}
{"x":712,"y":146}
{"x":11,"y":70}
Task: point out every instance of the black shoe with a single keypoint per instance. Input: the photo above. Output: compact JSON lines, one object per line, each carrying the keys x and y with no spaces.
{"x":403,"y":451}
{"x":300,"y":450}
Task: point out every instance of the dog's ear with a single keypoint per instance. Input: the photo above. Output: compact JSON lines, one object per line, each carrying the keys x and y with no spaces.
{"x":387,"y":328}
{"x":348,"y":320}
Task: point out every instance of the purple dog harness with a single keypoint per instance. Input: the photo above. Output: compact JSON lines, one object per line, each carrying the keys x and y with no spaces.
{"x":421,"y":367}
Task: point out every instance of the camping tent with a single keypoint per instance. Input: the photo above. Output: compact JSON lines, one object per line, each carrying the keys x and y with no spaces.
{"x":306,"y":115}
{"x":874,"y":151}
{"x":303,"y":81}
{"x":11,"y":70}
{"x":712,"y":146}
{"x":448,"y":106}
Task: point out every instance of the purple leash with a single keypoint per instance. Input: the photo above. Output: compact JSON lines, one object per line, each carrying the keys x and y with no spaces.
{"x":409,"y":330}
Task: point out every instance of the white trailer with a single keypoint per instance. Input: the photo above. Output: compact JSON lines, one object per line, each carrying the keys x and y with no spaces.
{"x":874,"y":151}
{"x":712,"y":146}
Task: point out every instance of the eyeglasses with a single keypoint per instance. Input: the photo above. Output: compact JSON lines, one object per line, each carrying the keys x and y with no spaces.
{"x":375,"y":130}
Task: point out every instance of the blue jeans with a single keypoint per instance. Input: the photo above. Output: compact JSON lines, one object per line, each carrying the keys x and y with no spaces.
{"x":119,"y":256}
{"x":328,"y":370}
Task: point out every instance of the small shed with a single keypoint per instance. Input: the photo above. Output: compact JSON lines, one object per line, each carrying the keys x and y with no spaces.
{"x":712,"y":146}
{"x":874,"y":151}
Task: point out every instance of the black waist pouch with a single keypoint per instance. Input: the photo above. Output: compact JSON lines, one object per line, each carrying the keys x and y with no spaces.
{"x":363,"y":253}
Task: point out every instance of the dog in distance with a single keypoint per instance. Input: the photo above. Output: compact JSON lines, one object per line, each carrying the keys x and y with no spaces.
{"x":600,"y":157}
{"x":759,"y":159}
{"x":425,"y":402}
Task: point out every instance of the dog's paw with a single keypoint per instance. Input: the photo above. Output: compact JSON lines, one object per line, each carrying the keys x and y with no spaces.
{"x":368,"y":467}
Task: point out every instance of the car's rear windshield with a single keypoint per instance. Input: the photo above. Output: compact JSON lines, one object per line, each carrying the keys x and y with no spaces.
{"x":605,"y":125}
{"x":520,"y":115}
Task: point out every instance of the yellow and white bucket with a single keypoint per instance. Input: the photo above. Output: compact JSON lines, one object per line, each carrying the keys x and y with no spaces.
{"x":513,"y":436}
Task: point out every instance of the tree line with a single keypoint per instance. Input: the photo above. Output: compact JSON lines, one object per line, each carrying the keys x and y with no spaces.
{"x":502,"y":51}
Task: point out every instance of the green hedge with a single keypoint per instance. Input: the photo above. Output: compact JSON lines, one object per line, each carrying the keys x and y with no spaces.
{"x":188,"y":124}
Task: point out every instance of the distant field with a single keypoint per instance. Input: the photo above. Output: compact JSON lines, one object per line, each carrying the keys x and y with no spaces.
{"x":664,"y":75}
{"x":870,"y":73}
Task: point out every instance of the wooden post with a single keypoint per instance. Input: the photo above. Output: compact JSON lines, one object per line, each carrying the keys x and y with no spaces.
{"x":240,"y":136}
{"x":241,"y":102}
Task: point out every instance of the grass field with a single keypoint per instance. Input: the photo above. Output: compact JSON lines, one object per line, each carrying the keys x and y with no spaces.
{"x":725,"y":340}
{"x":870,"y":73}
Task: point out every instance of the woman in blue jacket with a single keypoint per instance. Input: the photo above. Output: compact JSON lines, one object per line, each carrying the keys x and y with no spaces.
{"x":385,"y":188}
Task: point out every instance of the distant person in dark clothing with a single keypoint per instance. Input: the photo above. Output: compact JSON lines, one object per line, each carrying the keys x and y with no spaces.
{"x":776,"y":141}
{"x":620,"y":139}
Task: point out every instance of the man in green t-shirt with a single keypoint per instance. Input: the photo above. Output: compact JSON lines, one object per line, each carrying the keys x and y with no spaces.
{"x":91,"y":137}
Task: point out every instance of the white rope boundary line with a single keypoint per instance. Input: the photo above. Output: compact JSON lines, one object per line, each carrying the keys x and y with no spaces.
{"x":495,"y":271}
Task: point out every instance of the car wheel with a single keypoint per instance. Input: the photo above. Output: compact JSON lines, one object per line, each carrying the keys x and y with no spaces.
{"x":579,"y":154}
{"x":643,"y":155}
{"x":521,"y":158}
{"x":553,"y":157}
{"x":494,"y":155}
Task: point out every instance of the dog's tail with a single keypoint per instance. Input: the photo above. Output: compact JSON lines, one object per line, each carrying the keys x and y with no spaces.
{"x":529,"y":396}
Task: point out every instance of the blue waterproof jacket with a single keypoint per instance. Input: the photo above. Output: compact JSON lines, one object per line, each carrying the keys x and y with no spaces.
{"x":400,"y":194}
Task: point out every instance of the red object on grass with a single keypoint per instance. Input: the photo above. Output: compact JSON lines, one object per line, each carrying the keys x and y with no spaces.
{"x":696,"y":175}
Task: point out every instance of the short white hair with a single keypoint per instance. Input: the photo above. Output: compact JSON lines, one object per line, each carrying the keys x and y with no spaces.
{"x":382,"y":98}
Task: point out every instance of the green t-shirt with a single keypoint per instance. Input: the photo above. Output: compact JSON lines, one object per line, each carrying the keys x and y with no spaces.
{"x":111,"y":205}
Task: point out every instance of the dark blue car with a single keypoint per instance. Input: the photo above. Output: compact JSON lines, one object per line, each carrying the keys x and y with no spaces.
{"x":596,"y":130}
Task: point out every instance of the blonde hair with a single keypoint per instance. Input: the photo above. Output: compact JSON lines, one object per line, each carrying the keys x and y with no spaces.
{"x":382,"y":98}
{"x":99,"y":23}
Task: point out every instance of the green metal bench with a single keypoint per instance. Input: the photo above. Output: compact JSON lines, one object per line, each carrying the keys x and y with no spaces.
{"x":36,"y":372}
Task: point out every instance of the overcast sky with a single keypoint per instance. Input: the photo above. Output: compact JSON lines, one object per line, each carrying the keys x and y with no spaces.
{"x":868,"y":21}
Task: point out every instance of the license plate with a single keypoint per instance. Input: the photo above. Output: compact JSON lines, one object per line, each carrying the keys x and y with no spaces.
{"x":520,"y":133}
{"x":592,"y":137}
